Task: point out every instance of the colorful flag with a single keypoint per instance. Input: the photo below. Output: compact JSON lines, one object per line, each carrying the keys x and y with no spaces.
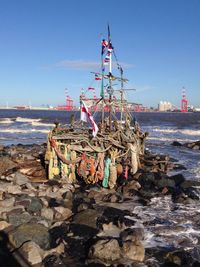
{"x":104,"y":44}
{"x":107,"y":58}
{"x":87,"y":117}
{"x":97,"y":77}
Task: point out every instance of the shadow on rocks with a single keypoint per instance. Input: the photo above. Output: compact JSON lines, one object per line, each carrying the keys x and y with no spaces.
{"x":7,"y":252}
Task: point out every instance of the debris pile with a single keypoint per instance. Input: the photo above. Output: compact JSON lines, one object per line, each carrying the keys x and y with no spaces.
{"x":73,"y":153}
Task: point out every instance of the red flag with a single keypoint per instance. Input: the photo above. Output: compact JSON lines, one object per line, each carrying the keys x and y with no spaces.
{"x":97,"y":78}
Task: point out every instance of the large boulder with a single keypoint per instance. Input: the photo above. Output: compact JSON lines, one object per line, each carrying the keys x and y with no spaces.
{"x":17,"y":219}
{"x":133,"y":250}
{"x":30,"y":232}
{"x":106,"y":250}
{"x":87,"y":217}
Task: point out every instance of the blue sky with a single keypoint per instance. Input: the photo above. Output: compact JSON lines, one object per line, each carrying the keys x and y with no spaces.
{"x":49,"y":45}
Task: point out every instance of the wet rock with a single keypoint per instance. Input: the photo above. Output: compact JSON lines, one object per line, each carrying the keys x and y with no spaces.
{"x":30,"y":232}
{"x":190,"y":183}
{"x":183,"y":258}
{"x":32,"y":252}
{"x":132,"y":234}
{"x":176,"y":143}
{"x":133,"y":250}
{"x":195,"y":147}
{"x":17,"y":219}
{"x":106,"y":250}
{"x":178,"y":179}
{"x":178,"y":167}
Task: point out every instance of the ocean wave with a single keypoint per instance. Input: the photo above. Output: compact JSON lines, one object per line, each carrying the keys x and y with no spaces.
{"x":180,"y":131}
{"x":197,"y":170}
{"x":170,"y":139}
{"x":14,"y":131}
{"x":38,"y":123}
{"x":30,"y":120}
{"x":6,"y":121}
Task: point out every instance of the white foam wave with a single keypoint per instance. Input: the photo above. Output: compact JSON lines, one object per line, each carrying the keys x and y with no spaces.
{"x":6,"y":121}
{"x":169,"y":139}
{"x":180,"y":131}
{"x":24,"y":131}
{"x":197,"y":170}
{"x":30,"y":120}
{"x":37,"y":123}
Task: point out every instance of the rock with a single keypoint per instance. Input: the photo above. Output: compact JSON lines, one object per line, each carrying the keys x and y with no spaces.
{"x":58,"y":250}
{"x":47,"y":213}
{"x":17,"y":219}
{"x":8,"y":202}
{"x":176,"y":143}
{"x":134,"y":250}
{"x":6,"y":164}
{"x":132,"y":234}
{"x":42,"y":222}
{"x":116,"y":216}
{"x":106,"y":250}
{"x":83,"y":206}
{"x":32,"y":252}
{"x":20,"y":179}
{"x":34,"y":232}
{"x":58,"y":232}
{"x":87,"y":217}
{"x":6,"y":211}
{"x":110,"y":230}
{"x":196,"y":147}
{"x":62,"y":213}
{"x":14,"y":189}
{"x":112,"y":197}
{"x":35,"y":205}
{"x":24,"y":202}
{"x":3,"y":225}
{"x":183,"y":257}
{"x":178,"y":179}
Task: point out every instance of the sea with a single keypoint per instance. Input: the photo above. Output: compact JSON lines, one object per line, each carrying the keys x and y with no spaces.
{"x":169,"y":224}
